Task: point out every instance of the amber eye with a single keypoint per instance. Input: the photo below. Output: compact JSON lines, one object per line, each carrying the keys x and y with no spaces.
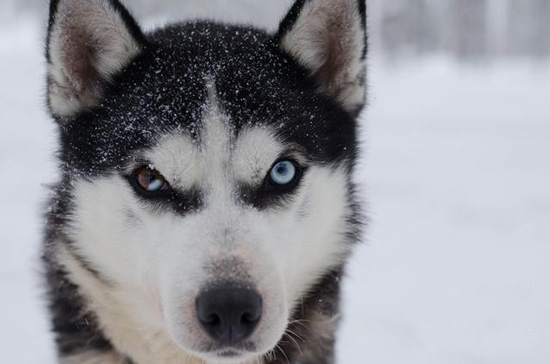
{"x":150,"y":180}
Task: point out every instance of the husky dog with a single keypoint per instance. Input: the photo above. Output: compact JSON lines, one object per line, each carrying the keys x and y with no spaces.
{"x":206,"y":207}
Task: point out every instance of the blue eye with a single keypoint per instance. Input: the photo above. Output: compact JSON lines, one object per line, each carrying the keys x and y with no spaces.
{"x":283,"y":173}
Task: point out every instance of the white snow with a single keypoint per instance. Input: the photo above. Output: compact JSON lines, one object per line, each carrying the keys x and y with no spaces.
{"x":455,"y":269}
{"x":456,"y":171}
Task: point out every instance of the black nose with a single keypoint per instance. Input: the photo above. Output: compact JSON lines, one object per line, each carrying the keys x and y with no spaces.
{"x":229,"y":315}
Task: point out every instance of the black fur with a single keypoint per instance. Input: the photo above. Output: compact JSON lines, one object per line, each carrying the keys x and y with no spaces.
{"x":163,"y":91}
{"x":75,"y":327}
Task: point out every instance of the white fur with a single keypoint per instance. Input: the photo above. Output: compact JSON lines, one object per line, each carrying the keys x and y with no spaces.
{"x":254,"y":154}
{"x":93,"y":357}
{"x":156,"y":261}
{"x":80,"y":25}
{"x":312,"y":40}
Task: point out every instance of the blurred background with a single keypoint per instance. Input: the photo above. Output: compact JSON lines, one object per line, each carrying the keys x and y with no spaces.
{"x":455,"y":169}
{"x":473,"y":30}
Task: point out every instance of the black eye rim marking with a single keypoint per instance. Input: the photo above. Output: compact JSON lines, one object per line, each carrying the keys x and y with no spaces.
{"x":267,"y":195}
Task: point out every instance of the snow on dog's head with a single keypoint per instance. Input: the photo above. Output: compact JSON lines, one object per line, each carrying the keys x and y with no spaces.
{"x":208,"y":166}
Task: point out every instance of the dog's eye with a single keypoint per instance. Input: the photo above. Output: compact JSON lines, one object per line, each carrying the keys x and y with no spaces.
{"x":283,"y":173}
{"x":149,"y":180}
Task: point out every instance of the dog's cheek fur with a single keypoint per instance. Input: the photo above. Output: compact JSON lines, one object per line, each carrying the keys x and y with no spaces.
{"x":94,"y":357}
{"x":316,"y":230}
{"x":111,"y":229}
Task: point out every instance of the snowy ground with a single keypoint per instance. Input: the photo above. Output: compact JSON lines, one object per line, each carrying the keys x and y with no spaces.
{"x":456,"y":171}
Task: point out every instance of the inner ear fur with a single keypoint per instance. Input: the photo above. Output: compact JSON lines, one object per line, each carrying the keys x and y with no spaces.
{"x":328,"y":38}
{"x":89,"y":42}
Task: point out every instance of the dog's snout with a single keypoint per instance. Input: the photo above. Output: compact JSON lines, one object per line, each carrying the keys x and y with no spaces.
{"x":229,"y":315}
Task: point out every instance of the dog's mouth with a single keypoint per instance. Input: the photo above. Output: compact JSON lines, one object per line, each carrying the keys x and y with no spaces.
{"x":242,"y":348}
{"x":230,"y":354}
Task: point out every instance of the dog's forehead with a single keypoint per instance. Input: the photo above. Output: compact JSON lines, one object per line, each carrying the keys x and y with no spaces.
{"x":220,"y":152}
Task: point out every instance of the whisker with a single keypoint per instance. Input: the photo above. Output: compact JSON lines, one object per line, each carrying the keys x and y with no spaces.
{"x":289,"y":331}
{"x":302,"y":323}
{"x":283,"y":352}
{"x":295,"y":343}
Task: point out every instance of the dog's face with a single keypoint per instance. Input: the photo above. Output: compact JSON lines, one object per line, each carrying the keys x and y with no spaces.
{"x":208,"y":166}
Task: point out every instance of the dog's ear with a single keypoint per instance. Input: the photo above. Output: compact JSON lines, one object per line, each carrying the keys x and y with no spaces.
{"x":328,"y":38}
{"x":89,"y":42}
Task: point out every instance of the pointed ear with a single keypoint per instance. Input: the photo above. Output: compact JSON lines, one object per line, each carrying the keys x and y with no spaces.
{"x":89,"y":42}
{"x":328,"y":37}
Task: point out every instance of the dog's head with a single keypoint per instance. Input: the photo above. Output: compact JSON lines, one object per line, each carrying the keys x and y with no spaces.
{"x":208,"y":166}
